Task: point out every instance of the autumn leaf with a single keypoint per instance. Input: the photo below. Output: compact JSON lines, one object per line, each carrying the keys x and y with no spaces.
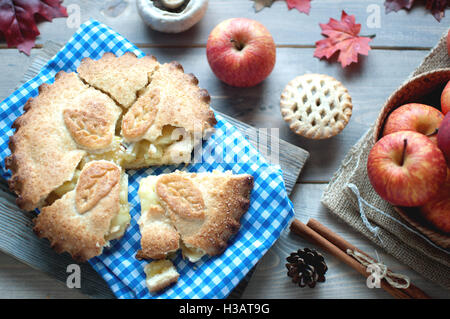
{"x":396,"y":5}
{"x":437,"y":7}
{"x":261,"y":4}
{"x":301,"y":5}
{"x":342,"y":36}
{"x":18,"y":24}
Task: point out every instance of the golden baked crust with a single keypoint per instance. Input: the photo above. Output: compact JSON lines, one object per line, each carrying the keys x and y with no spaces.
{"x":75,"y":122}
{"x":172,"y":103}
{"x":159,"y":237}
{"x":141,"y":115}
{"x":120,"y":77}
{"x":82,"y":233}
{"x":88,"y":127}
{"x":204,"y":208}
{"x":44,"y":152}
{"x":179,"y":103}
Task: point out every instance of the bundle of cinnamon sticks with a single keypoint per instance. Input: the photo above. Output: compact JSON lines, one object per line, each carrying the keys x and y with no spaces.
{"x":337,"y":246}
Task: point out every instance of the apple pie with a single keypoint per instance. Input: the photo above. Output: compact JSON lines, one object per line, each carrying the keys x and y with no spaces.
{"x":74,"y":140}
{"x":194,"y":212}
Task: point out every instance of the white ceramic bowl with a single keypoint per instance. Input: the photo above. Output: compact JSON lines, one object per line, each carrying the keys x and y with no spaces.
{"x":170,"y":22}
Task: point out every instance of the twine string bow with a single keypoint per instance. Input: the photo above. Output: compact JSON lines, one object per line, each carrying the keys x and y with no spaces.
{"x":395,"y":280}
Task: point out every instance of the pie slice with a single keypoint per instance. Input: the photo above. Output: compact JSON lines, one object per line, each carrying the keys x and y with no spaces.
{"x":160,"y":274}
{"x":120,"y":77}
{"x":60,"y":126}
{"x":169,"y":118}
{"x":197,"y":212}
{"x":87,"y":217}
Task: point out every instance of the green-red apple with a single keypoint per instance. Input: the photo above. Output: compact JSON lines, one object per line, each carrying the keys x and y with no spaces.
{"x":416,"y":117}
{"x":445,"y":99}
{"x":443,"y":138}
{"x":241,"y":52}
{"x":406,"y":168}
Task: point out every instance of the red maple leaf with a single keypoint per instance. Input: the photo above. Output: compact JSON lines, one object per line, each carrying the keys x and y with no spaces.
{"x":301,"y":5}
{"x":18,"y":24}
{"x":342,"y":36}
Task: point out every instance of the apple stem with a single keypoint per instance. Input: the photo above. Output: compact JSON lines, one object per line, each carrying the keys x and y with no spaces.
{"x":405,"y":144}
{"x":434,"y":133}
{"x":237,"y":44}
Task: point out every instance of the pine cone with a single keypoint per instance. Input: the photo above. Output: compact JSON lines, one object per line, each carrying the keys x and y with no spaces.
{"x":306,"y":267}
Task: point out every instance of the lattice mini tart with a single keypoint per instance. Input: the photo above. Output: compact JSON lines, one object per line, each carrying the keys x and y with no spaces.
{"x":316,"y":106}
{"x":77,"y":136}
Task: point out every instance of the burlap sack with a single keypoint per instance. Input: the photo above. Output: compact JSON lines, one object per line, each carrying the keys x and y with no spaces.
{"x":341,"y":198}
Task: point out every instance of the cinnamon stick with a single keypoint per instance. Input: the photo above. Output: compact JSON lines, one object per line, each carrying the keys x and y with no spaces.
{"x":342,"y":244}
{"x":309,"y":234}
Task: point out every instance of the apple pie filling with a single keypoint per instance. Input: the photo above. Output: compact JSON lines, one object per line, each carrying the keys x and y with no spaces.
{"x":149,"y":199}
{"x":173,"y":145}
{"x":120,"y":222}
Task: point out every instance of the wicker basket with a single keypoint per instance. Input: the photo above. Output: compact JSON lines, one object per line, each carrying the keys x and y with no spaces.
{"x":425,"y":88}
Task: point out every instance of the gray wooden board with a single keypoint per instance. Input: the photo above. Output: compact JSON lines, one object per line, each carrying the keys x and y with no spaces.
{"x":416,"y":28}
{"x":17,"y":238}
{"x":400,"y":44}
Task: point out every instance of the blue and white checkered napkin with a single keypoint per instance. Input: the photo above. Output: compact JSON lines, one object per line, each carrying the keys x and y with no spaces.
{"x":226,"y":149}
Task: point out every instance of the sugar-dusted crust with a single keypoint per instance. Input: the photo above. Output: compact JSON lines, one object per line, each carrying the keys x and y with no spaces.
{"x":159,"y":237}
{"x":316,"y":106}
{"x":89,"y":127}
{"x":141,"y":115}
{"x":226,"y":198}
{"x":95,"y":182}
{"x":82,"y":233}
{"x":44,"y":148}
{"x":172,"y":98}
{"x":204,"y":208}
{"x":73,"y":122}
{"x":120,"y":77}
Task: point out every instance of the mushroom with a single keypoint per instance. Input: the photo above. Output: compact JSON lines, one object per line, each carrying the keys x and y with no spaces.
{"x":169,"y":21}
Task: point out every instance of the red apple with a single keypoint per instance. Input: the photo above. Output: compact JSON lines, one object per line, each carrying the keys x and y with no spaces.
{"x":406,"y":168}
{"x":443,"y":138}
{"x":416,"y":117}
{"x":445,"y":99}
{"x":241,"y":52}
{"x":437,"y":211}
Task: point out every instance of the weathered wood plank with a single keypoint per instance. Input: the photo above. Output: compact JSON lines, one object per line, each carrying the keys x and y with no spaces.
{"x":17,"y":239}
{"x":18,"y":280}
{"x":414,"y":29}
{"x":270,"y":280}
{"x":13,"y":66}
{"x":369,"y":83}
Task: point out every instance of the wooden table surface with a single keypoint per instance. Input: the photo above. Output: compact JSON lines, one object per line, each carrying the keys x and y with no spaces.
{"x":402,"y":41}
